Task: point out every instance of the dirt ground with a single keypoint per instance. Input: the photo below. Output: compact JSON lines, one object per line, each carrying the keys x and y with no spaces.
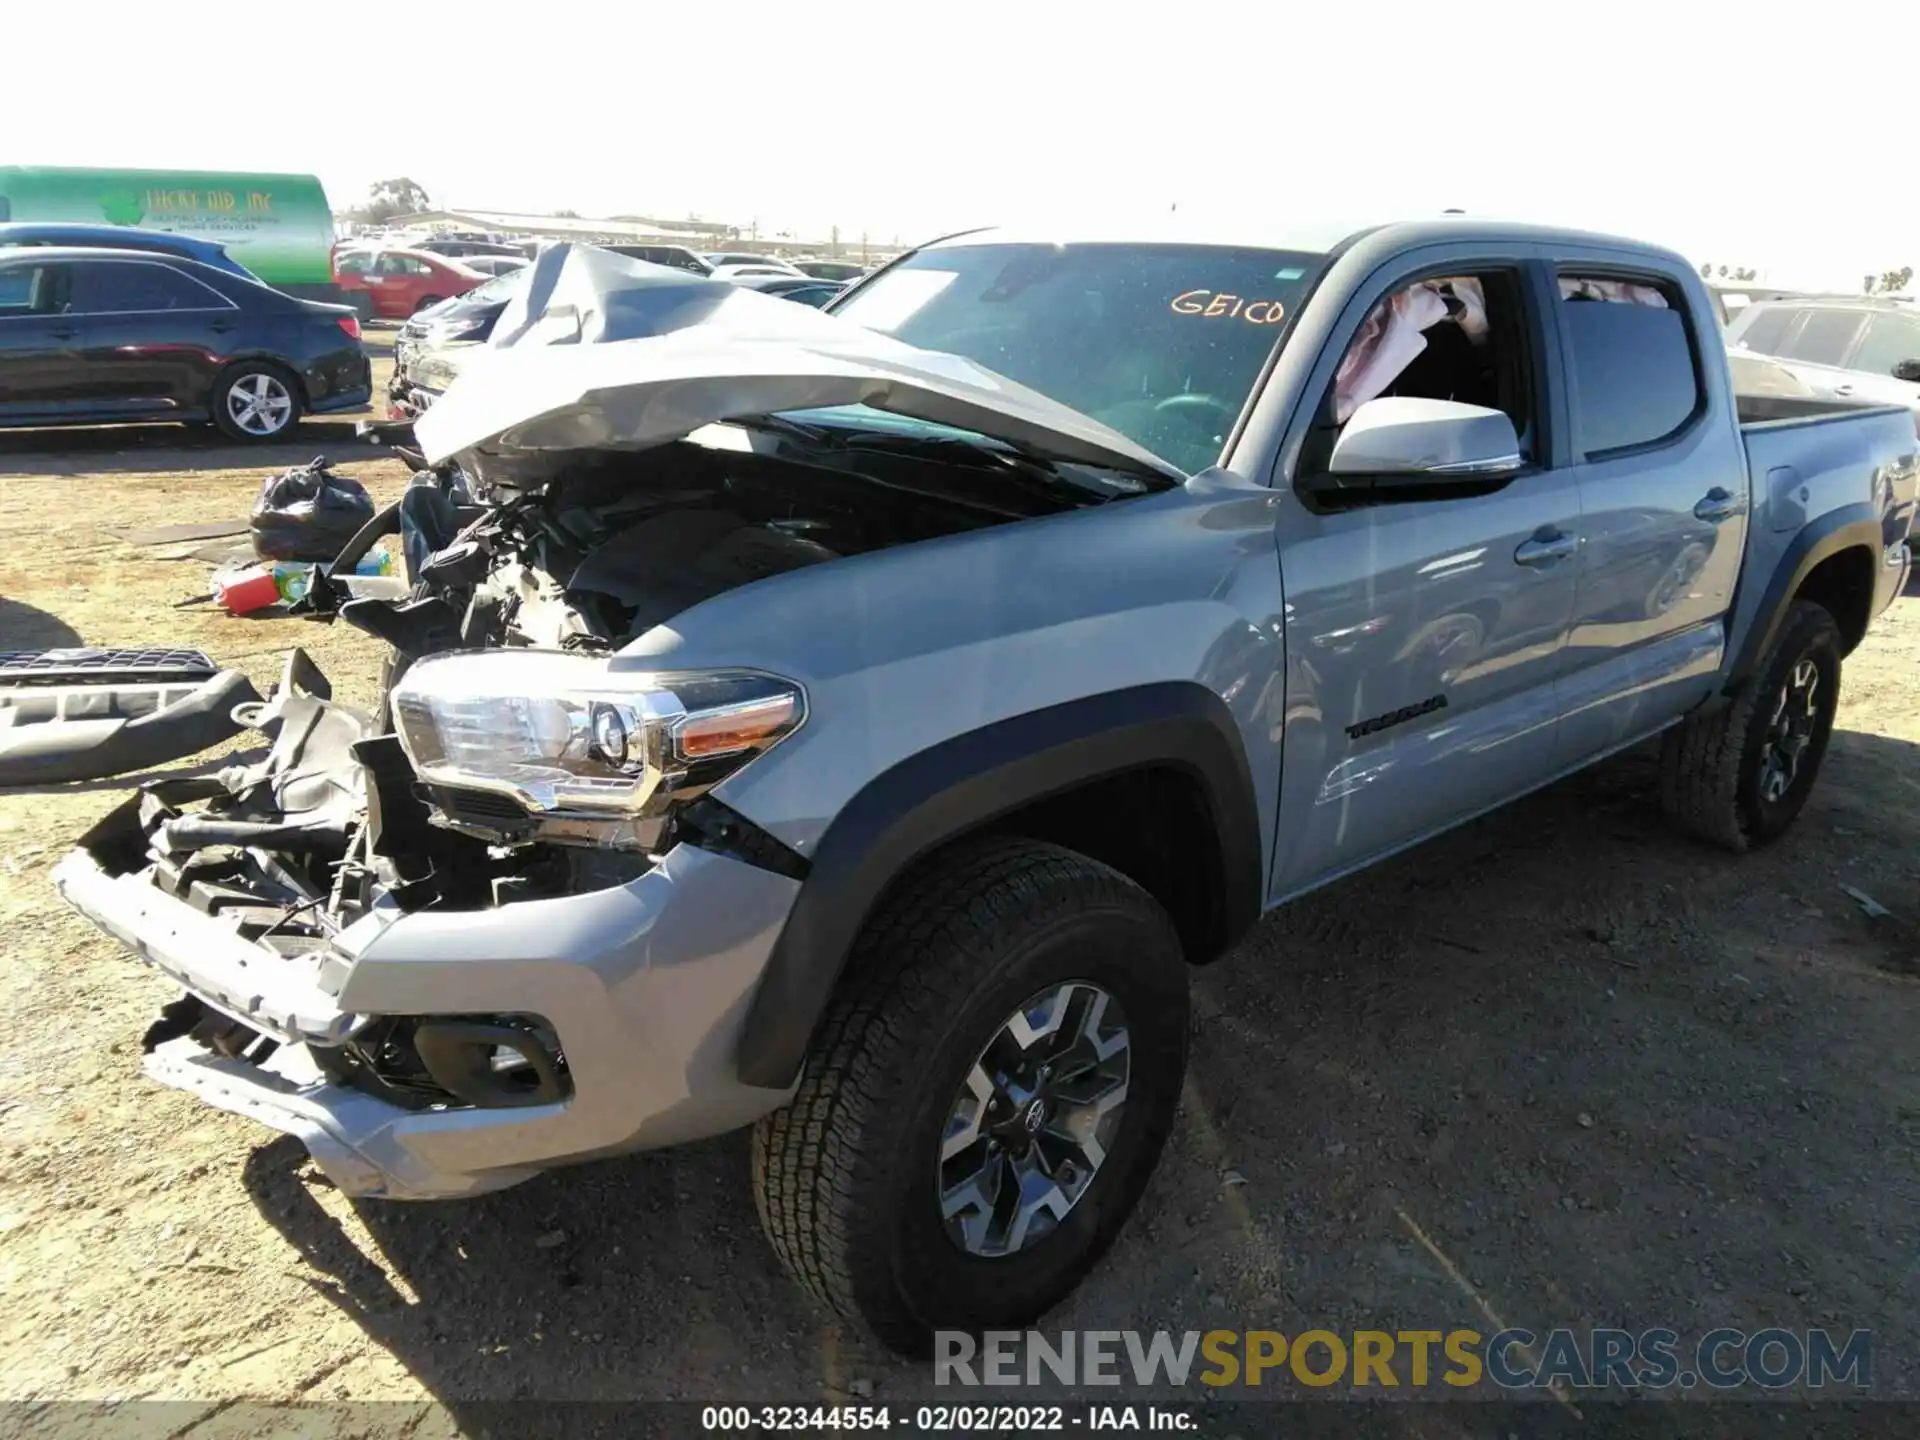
{"x":1557,"y":1068}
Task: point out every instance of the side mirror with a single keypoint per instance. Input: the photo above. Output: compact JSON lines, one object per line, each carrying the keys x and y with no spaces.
{"x":1401,"y":442}
{"x":1907,"y":370}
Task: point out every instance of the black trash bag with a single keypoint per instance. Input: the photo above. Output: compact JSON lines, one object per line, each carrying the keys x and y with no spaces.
{"x":308,"y":513}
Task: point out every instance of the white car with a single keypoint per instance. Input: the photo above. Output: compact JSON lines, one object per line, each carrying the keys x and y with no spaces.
{"x":725,"y":263}
{"x":1850,"y":349}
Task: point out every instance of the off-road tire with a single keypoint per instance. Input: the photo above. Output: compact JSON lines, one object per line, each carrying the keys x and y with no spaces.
{"x":1710,"y":766}
{"x":845,"y":1175}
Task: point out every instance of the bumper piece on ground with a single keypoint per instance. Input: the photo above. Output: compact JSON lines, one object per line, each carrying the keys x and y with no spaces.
{"x":80,"y":729}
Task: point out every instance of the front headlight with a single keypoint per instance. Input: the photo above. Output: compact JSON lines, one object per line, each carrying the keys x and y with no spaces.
{"x":456,"y":329}
{"x":564,"y":735}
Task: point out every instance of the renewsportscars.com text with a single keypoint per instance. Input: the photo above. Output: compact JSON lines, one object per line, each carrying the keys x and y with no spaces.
{"x":1654,"y":1359}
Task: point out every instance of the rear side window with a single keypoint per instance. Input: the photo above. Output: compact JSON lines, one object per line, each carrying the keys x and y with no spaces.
{"x":1824,"y":336}
{"x":120,"y":287}
{"x":1889,"y":340}
{"x":1635,"y":381}
{"x":1767,"y":330}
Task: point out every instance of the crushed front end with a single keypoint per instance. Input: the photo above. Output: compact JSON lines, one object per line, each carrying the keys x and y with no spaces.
{"x":432,"y":1013}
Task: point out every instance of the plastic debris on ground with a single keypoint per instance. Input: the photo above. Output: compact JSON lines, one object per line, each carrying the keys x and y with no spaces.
{"x":295,"y":580}
{"x":1869,"y":906}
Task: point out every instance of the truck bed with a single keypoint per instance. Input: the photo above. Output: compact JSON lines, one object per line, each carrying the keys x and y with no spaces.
{"x":1759,"y":409}
{"x":1810,"y":457}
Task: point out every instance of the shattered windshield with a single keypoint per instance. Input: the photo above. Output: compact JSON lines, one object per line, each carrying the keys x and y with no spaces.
{"x":1161,"y":342}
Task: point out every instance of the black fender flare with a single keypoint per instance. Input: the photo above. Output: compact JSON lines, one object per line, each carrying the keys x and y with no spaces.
{"x":1843,"y":528}
{"x":965,"y":783}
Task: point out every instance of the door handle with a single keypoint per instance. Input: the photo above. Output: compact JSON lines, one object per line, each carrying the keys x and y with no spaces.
{"x":1546,"y":548}
{"x":221,"y":327}
{"x":63,"y":332}
{"x":1843,"y":389}
{"x":1717,"y":504}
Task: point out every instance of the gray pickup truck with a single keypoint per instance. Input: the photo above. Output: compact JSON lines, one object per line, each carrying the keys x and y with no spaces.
{"x":853,"y":726}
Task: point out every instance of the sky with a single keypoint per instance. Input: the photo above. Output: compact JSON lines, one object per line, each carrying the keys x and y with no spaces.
{"x":1782,"y":139}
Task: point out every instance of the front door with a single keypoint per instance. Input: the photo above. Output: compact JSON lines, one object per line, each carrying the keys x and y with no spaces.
{"x":39,"y":357}
{"x":1424,"y":638}
{"x":1663,"y":500}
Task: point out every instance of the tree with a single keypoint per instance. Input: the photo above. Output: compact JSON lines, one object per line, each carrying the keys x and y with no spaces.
{"x":1866,"y":285}
{"x":389,"y":198}
{"x":1706,"y":271}
{"x":1896,"y":279}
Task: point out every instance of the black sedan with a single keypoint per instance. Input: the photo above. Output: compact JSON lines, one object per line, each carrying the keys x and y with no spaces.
{"x":97,"y":336}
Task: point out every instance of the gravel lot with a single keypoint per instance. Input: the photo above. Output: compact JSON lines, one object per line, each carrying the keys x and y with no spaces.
{"x":1557,"y":1067}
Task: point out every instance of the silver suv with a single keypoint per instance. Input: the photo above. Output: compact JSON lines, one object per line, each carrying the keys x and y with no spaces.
{"x":1860,"y":349}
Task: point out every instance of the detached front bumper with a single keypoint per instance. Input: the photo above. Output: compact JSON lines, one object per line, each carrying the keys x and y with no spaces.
{"x":646,"y":986}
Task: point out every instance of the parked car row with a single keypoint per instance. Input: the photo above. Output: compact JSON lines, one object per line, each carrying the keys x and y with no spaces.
{"x":103,"y":323}
{"x":423,"y":353}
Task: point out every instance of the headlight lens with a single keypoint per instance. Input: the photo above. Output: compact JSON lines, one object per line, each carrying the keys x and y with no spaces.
{"x":564,"y":733}
{"x":454,"y":329}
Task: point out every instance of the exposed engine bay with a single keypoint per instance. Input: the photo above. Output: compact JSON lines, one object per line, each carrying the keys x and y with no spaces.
{"x":621,"y":542}
{"x":340,"y":818}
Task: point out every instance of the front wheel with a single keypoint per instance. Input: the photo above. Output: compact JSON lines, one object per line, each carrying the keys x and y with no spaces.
{"x":1739,"y":776}
{"x":985,"y":1099}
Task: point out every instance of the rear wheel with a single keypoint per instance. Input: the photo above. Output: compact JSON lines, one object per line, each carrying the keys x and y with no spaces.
{"x":1740,"y":775}
{"x":985,"y":1099}
{"x":255,"y":401}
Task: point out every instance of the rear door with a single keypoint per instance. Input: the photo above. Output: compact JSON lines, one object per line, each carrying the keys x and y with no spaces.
{"x":1425,"y":636}
{"x":1816,"y":346}
{"x":1663,"y":500}
{"x":394,"y":280}
{"x":40,"y":372}
{"x":1889,"y":339}
{"x":152,"y":337}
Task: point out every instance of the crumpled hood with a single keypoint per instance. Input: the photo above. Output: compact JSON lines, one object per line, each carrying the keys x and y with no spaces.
{"x":602,"y":352}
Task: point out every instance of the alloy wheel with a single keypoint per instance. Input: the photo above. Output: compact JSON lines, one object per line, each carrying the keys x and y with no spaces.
{"x":259,"y":404}
{"x":1034,"y":1120}
{"x":1796,"y":716}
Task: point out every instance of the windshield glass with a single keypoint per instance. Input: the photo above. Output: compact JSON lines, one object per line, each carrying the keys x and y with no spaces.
{"x":1162,"y":342}
{"x":500,"y":288}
